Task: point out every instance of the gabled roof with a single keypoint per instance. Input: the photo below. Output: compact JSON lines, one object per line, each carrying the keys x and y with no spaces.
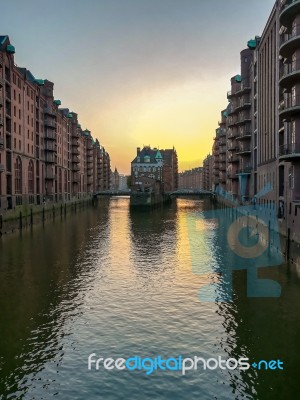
{"x":154,"y":154}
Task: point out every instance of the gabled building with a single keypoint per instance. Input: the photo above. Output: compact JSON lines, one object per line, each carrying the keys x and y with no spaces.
{"x":153,"y":165}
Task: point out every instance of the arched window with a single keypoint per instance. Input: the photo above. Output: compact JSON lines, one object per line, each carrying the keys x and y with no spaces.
{"x":30,"y":177}
{"x":18,"y":176}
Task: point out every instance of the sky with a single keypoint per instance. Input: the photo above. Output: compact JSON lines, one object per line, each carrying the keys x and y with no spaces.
{"x":138,"y":72}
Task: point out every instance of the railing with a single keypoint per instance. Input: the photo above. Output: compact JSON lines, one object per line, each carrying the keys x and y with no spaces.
{"x":233,"y":158}
{"x":1,"y":82}
{"x":287,"y":69}
{"x":75,"y":159}
{"x":244,"y":148}
{"x":50,"y":146}
{"x":1,"y":168}
{"x":291,"y":101}
{"x":49,"y":122}
{"x":244,"y":133}
{"x":50,"y":158}
{"x":292,"y":148}
{"x":49,"y":111}
{"x":288,"y":36}
{"x":245,"y":169}
{"x":75,"y":151}
{"x":50,"y":135}
{"x":8,"y":94}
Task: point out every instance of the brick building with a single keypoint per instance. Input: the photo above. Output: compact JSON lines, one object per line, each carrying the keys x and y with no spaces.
{"x":44,"y":153}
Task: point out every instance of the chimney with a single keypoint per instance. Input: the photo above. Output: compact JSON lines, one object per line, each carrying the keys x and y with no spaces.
{"x":138,"y":151}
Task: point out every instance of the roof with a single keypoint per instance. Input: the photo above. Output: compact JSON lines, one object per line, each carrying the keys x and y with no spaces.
{"x":154,"y":154}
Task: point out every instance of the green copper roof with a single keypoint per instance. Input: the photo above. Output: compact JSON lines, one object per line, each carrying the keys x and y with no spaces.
{"x":225,"y":113}
{"x":238,"y":78}
{"x":251,"y":44}
{"x":86,"y":132}
{"x":158,"y":154}
{"x":70,"y":115}
{"x":79,"y":126}
{"x":40,"y":82}
{"x":10,"y":49}
{"x":57,"y":102}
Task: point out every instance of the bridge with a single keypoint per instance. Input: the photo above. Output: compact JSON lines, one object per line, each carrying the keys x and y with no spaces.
{"x":191,"y":192}
{"x":179,"y":192}
{"x":112,"y":193}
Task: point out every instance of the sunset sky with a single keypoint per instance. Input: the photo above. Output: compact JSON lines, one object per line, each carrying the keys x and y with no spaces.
{"x":138,"y":71}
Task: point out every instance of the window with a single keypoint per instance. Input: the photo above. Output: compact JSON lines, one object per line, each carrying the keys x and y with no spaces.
{"x":30,"y":177}
{"x":18,"y":176}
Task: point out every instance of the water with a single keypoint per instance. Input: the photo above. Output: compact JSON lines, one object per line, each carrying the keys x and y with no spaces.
{"x":120,"y":284}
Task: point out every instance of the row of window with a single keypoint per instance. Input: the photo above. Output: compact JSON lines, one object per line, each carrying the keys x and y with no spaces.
{"x":146,"y":169}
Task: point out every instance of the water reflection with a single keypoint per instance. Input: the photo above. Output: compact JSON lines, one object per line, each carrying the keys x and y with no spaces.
{"x":41,"y":277}
{"x":121,"y":283}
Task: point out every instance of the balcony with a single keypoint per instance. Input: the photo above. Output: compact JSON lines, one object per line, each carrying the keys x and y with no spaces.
{"x":51,"y":135}
{"x":245,"y":87}
{"x":50,"y":146}
{"x":7,"y":95}
{"x":243,"y":118}
{"x":1,"y":82}
{"x":1,"y":101}
{"x":75,"y":159}
{"x":288,"y":12}
{"x":290,"y":107}
{"x":89,"y":172}
{"x":232,"y":121}
{"x":233,"y":158}
{"x":244,"y":148}
{"x":289,"y":73}
{"x":75,"y":142}
{"x":243,"y":104}
{"x":1,"y":121}
{"x":232,"y":147}
{"x":289,"y":42}
{"x":51,"y":123}
{"x":75,"y":167}
{"x":245,"y":170}
{"x":49,"y":111}
{"x":289,"y":152}
{"x":222,"y":149}
{"x":2,"y":168}
{"x":1,"y":143}
{"x":222,"y":132}
{"x":50,"y":158}
{"x":76,"y":178}
{"x":244,"y":135}
{"x":75,"y":151}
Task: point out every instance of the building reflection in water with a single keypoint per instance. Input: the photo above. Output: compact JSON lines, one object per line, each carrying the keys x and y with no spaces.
{"x":42,"y":273}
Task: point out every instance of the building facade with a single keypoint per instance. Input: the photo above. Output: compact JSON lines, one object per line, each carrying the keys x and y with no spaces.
{"x":192,"y":179}
{"x":153,"y":165}
{"x":259,"y":131}
{"x":44,"y":154}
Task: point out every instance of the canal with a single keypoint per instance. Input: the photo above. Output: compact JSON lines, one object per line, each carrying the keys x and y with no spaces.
{"x":121,"y":284}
